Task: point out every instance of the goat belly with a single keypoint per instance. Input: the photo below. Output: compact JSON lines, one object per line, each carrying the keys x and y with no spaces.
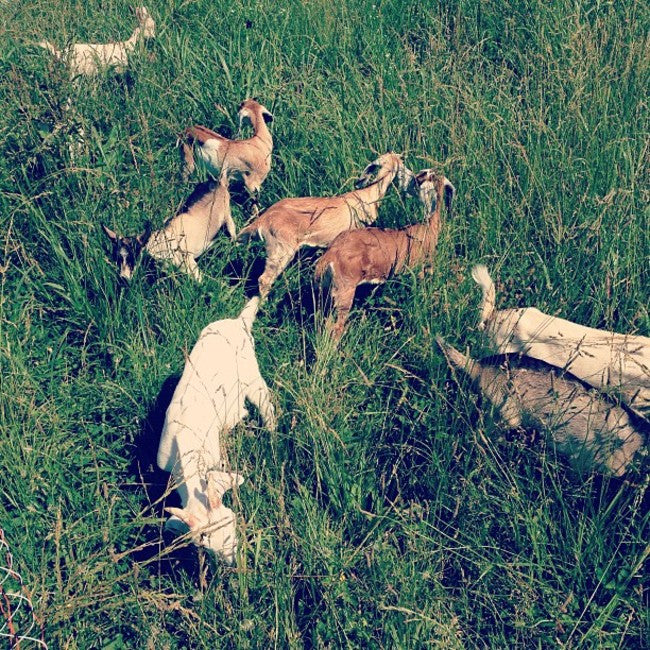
{"x":584,"y":425}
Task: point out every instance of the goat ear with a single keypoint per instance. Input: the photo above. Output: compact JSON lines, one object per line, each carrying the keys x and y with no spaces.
{"x":450,"y":190}
{"x":144,"y":237}
{"x":111,"y":234}
{"x":267,"y":116}
{"x":186,"y":517}
{"x":219,"y":483}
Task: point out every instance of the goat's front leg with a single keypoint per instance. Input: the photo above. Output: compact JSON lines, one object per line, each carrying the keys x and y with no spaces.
{"x":276,"y":262}
{"x":260,"y":396}
{"x":230,"y":226}
{"x":342,"y":299}
{"x":189,"y":265}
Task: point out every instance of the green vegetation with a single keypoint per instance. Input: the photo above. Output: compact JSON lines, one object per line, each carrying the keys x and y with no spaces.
{"x":387,"y":511}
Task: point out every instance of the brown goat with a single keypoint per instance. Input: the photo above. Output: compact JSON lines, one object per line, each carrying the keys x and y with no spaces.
{"x":290,"y":224}
{"x":372,"y":255}
{"x":249,"y":159}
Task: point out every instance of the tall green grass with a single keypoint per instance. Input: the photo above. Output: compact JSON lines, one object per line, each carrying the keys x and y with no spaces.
{"x":387,"y":511}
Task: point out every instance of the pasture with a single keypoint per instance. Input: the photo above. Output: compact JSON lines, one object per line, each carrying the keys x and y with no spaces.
{"x":387,"y":510}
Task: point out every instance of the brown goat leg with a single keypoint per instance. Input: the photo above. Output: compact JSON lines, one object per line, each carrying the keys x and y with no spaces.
{"x":275,"y":264}
{"x":342,"y":302}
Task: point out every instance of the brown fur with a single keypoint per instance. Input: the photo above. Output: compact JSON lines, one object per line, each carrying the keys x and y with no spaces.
{"x":372,"y":255}
{"x":249,"y":159}
{"x":593,"y":432}
{"x":316,"y":221}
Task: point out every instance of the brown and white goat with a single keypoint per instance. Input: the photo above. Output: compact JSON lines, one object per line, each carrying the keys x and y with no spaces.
{"x":86,"y":59}
{"x":248,"y":160}
{"x":290,"y":224}
{"x":184,"y":237}
{"x":593,"y":432}
{"x":601,"y":359}
{"x":372,"y":255}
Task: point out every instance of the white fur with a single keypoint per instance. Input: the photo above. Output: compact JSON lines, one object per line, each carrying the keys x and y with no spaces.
{"x":187,"y":236}
{"x":220,"y":374}
{"x":601,"y":359}
{"x":86,"y":59}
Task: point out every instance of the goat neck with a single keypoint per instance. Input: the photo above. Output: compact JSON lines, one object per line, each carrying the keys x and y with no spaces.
{"x":260,"y":128}
{"x":130,"y":43}
{"x":375,"y":191}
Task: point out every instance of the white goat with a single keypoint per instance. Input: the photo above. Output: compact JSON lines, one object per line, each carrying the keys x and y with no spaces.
{"x":220,"y":374}
{"x":601,"y":359}
{"x":593,"y":432}
{"x":248,"y":160}
{"x":184,"y":237}
{"x":290,"y":224}
{"x":87,"y":59}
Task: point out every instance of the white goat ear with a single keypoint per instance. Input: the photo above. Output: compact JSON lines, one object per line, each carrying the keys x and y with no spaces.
{"x":186,"y":517}
{"x":219,"y":483}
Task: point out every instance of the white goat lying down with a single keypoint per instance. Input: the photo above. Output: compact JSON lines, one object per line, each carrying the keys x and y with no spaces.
{"x":599,"y":358}
{"x":87,"y":59}
{"x":220,"y":374}
{"x":292,"y":223}
{"x":593,"y":432}
{"x":248,"y":160}
{"x":184,"y":237}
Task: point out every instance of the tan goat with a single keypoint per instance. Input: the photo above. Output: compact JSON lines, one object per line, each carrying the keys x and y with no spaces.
{"x":248,"y":160}
{"x":290,"y":224}
{"x":594,"y":432}
{"x":184,"y":237}
{"x":372,"y":255}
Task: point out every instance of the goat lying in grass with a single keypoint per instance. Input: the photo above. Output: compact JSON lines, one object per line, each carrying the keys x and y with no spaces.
{"x":290,"y":224}
{"x":593,"y":432}
{"x":599,"y":358}
{"x":86,"y":59}
{"x":372,"y":255}
{"x":220,"y":374}
{"x":184,"y":237}
{"x":248,"y":160}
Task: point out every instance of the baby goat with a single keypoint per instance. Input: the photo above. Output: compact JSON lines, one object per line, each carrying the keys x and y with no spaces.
{"x":184,"y":237}
{"x":599,"y":358}
{"x":248,"y":160}
{"x":220,"y":374}
{"x":593,"y":432}
{"x":86,"y":59}
{"x":372,"y":255}
{"x":290,"y":224}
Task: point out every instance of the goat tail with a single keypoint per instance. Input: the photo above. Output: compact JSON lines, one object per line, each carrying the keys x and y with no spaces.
{"x":57,"y":54}
{"x":249,"y":311}
{"x":458,"y":360}
{"x":488,"y":303}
